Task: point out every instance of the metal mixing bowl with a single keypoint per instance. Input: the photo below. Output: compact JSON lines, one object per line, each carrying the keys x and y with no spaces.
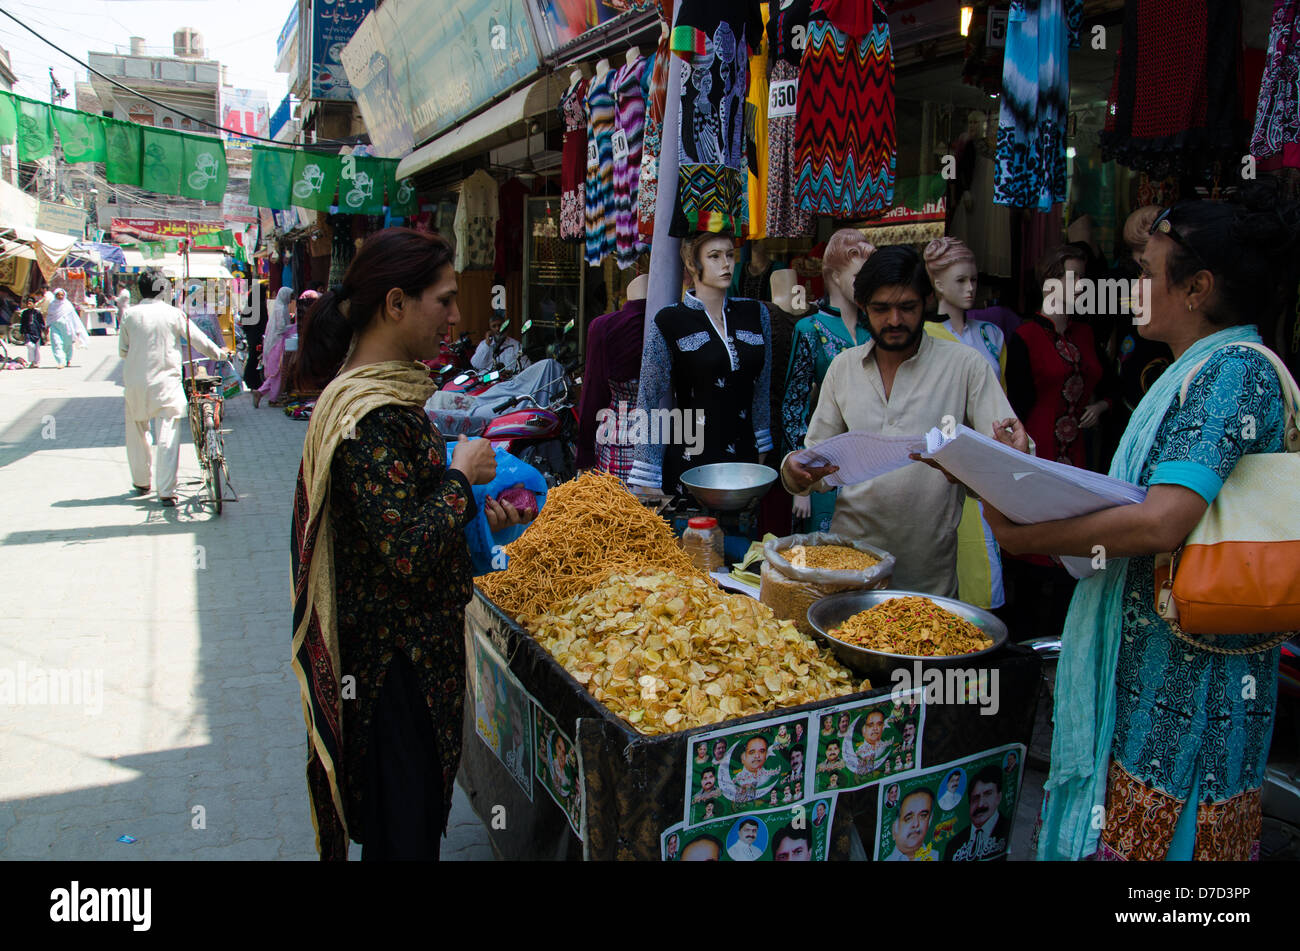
{"x":729,"y":486}
{"x":833,"y":610}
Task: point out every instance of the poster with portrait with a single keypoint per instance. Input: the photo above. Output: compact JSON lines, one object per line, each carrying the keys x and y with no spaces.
{"x":864,"y":742}
{"x":799,"y":833}
{"x":555,"y":766}
{"x":502,"y":712}
{"x":743,"y":769}
{"x":958,"y":812}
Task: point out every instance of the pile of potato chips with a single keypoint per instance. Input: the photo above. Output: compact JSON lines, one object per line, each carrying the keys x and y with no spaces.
{"x":667,"y":652}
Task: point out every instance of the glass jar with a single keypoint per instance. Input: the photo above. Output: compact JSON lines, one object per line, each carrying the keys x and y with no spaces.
{"x":702,"y":542}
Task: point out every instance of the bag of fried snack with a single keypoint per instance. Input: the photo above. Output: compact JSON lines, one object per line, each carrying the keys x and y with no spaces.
{"x":801,"y":569}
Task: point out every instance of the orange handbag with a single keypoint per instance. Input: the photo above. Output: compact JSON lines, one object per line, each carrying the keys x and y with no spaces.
{"x":1239,"y":570}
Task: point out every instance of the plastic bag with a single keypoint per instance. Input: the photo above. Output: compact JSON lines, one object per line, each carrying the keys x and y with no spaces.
{"x":791,"y":591}
{"x":483,"y":542}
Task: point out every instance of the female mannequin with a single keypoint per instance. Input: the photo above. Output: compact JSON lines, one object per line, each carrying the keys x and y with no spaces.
{"x":952,"y":270}
{"x":818,"y":339}
{"x":710,"y":358}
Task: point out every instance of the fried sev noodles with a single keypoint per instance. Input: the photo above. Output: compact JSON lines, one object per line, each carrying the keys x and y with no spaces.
{"x":829,"y":557}
{"x":589,"y":528}
{"x":914,"y":626}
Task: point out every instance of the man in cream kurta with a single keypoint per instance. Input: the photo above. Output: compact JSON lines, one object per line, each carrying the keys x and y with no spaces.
{"x":913,"y":512}
{"x":152,"y":342}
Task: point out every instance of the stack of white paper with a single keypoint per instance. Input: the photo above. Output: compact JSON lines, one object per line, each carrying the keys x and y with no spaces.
{"x":1024,"y":488}
{"x":860,"y":456}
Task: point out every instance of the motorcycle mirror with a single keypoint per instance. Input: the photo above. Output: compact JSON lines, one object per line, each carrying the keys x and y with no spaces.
{"x":568,"y":326}
{"x":490,"y":377}
{"x":461,"y":379}
{"x":505,"y":325}
{"x":527,"y":323}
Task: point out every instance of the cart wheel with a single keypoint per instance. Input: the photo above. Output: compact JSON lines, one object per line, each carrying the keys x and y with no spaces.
{"x":16,"y":334}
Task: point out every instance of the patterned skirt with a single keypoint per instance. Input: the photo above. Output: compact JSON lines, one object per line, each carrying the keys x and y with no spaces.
{"x":784,"y":217}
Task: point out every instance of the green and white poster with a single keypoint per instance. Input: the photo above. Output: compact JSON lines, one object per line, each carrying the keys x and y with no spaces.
{"x":958,"y":812}
{"x":799,"y":833}
{"x":556,"y":766}
{"x":314,"y":179}
{"x":502,"y":712}
{"x":743,"y":769}
{"x":863,"y":742}
{"x":81,"y":135}
{"x":204,"y":168}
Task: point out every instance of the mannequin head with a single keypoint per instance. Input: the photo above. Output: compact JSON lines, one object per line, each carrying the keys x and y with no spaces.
{"x":846,"y":252}
{"x":1137,"y":229}
{"x":783,"y":283}
{"x":953,"y":272}
{"x":709,"y":260}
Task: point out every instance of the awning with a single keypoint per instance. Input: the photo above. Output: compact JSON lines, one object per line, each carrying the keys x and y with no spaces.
{"x":50,"y":246}
{"x":202,"y":266}
{"x":15,"y":249}
{"x":86,"y":253}
{"x":488,"y":129}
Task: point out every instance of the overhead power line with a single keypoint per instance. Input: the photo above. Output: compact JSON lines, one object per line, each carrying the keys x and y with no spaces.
{"x":211,"y":125}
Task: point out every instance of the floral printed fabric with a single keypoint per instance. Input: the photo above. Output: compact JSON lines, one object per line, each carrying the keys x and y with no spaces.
{"x":403,"y":578}
{"x":573,"y":171}
{"x":476,"y":223}
{"x":1181,"y":722}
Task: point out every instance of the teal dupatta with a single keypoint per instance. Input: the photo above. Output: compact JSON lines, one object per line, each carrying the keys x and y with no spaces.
{"x":1084,"y":714}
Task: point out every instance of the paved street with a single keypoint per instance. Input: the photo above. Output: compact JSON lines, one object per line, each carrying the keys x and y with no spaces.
{"x":185,"y":729}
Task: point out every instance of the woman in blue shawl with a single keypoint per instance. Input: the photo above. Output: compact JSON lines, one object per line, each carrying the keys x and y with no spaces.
{"x":1159,"y":750}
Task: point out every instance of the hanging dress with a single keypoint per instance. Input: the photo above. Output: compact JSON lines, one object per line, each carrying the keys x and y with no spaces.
{"x":629,"y":125}
{"x":652,"y":142}
{"x":846,"y":145}
{"x":714,"y":37}
{"x":1276,"y":142}
{"x":599,"y":197}
{"x":1030,"y":169}
{"x":787,"y":29}
{"x":573,"y":169}
{"x":1174,"y":103}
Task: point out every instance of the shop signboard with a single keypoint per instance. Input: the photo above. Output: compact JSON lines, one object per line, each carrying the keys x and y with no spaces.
{"x":918,"y":21}
{"x":17,"y":208}
{"x":161,"y":229}
{"x":333,"y":22}
{"x":374,"y":83}
{"x":61,"y":219}
{"x":286,"y":45}
{"x":245,"y":112}
{"x":561,"y":22}
{"x":446,"y":60}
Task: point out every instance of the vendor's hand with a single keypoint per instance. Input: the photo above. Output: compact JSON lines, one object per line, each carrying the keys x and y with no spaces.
{"x":804,"y":477}
{"x":1017,"y":438}
{"x":475,"y":460}
{"x":802,"y":507}
{"x":1003,"y":529}
{"x":1092,"y":414}
{"x":917,"y":457}
{"x":501,"y":514}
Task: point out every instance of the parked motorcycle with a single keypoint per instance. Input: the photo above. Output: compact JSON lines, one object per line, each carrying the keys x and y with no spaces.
{"x":544,"y":436}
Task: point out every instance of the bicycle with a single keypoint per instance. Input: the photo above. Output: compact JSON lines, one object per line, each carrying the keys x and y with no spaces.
{"x":206,"y":401}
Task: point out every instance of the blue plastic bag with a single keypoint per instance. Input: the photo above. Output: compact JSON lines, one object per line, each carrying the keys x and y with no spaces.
{"x":483,"y":543}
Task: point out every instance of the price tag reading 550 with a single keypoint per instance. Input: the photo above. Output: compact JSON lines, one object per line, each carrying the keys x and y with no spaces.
{"x":781,"y":97}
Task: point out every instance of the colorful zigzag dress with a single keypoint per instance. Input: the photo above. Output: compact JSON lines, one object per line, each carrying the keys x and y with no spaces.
{"x":845,"y":133}
{"x":599,"y":189}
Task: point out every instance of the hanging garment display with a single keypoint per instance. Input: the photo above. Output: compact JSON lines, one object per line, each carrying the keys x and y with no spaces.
{"x":599,"y":197}
{"x":1276,"y":140}
{"x":787,"y":31}
{"x":715,"y":38}
{"x":629,"y":123}
{"x":509,"y":258}
{"x":1174,"y":104}
{"x":476,"y":223}
{"x":1030,"y":170}
{"x":573,"y":169}
{"x":846,"y":145}
{"x":656,"y":103}
{"x":979,"y":221}
{"x":756,"y":137}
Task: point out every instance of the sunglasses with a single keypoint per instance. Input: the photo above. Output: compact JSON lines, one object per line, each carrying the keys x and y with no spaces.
{"x":1164,"y":226}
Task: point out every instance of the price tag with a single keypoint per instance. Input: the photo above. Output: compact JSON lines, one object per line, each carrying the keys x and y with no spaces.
{"x":781,"y":97}
{"x":593,"y":157}
{"x":620,"y":146}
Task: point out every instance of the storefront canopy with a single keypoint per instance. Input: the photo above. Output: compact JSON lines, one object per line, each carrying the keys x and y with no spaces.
{"x":87,"y":253}
{"x":51,"y":247}
{"x":202,"y":266}
{"x":489,"y":129}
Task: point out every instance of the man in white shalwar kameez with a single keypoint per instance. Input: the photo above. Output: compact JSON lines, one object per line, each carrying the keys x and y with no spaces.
{"x":152,"y":342}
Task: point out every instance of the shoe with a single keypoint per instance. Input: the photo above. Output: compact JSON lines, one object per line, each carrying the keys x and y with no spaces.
{"x":257,"y":399}
{"x":140,"y":491}
{"x":168,"y":503}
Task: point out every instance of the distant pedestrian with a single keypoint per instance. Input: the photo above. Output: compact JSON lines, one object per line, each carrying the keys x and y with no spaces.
{"x":123,"y":301}
{"x":66,"y":328}
{"x":33,"y":327}
{"x":150,"y":341}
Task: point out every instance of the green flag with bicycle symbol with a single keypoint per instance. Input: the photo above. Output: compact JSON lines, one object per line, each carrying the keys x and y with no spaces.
{"x":125,"y":149}
{"x":402,"y":200}
{"x":268,"y":183}
{"x":315,"y":177}
{"x":361,"y":185}
{"x":81,"y":135}
{"x":35,"y":130}
{"x":204,"y":168}
{"x":164,"y":156}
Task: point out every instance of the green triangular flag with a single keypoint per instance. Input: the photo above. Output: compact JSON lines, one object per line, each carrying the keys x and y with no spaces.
{"x":164,"y":155}
{"x":172,"y":245}
{"x":35,"y":130}
{"x":315,"y":177}
{"x":122,"y":166}
{"x":402,"y":200}
{"x":268,"y":183}
{"x":81,"y":135}
{"x":361,"y":185}
{"x":204,"y":172}
{"x":227,"y":238}
{"x":8,"y":118}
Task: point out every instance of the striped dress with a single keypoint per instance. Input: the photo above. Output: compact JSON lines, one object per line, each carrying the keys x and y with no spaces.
{"x":599,"y":189}
{"x":845,"y":138}
{"x":656,"y":102}
{"x":630,"y":122}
